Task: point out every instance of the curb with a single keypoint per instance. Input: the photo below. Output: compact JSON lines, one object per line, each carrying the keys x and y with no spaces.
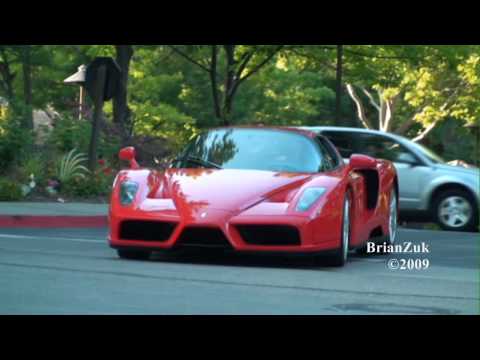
{"x":33,"y":221}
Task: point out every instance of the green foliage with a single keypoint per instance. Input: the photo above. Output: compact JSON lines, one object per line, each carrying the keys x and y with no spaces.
{"x":286,"y":97}
{"x":163,"y":120}
{"x":15,"y":141}
{"x":71,"y":167}
{"x":172,"y":98}
{"x":69,"y":133}
{"x":35,"y":165}
{"x":10,"y":190}
{"x":87,"y":187}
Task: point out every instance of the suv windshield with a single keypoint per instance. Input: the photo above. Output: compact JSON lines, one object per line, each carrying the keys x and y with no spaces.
{"x":429,"y":154}
{"x":252,"y":149}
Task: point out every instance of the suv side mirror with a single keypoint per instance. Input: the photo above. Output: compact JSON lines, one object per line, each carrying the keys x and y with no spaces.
{"x":128,"y":154}
{"x":362,"y":162}
{"x":407,"y":158}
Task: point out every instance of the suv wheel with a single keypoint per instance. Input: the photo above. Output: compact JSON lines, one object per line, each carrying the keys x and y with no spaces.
{"x":455,"y":210}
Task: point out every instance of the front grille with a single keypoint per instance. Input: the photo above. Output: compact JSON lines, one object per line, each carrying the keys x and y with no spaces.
{"x":204,"y":237}
{"x":269,"y":235}
{"x":146,"y":230}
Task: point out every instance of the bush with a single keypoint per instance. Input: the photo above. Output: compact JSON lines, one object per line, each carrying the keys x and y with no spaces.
{"x":36,"y":165}
{"x":15,"y":141}
{"x":88,"y":187}
{"x":69,"y":133}
{"x":10,"y":190}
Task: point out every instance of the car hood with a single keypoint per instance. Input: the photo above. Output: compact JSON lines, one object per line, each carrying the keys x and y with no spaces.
{"x":458,"y":169}
{"x":227,"y":190}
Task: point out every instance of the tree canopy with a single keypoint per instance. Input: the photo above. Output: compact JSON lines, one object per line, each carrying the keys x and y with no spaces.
{"x":173,"y":91}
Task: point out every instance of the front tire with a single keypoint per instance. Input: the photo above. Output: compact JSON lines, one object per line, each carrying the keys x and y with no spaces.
{"x":391,"y":237}
{"x":133,"y":254}
{"x":392,"y":219}
{"x":340,"y":257}
{"x":455,"y":210}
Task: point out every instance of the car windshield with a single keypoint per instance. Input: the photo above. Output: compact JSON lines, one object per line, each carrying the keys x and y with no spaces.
{"x":252,"y":149}
{"x":429,"y":154}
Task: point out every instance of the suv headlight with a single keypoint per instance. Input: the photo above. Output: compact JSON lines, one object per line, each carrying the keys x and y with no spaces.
{"x":309,"y":197}
{"x":128,"y":190}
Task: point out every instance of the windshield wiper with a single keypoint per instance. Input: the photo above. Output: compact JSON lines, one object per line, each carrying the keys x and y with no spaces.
{"x":202,"y":162}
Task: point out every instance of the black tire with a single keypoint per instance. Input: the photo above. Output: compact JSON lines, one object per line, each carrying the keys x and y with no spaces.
{"x":134,"y":254}
{"x":339,"y":259}
{"x":471,"y":225}
{"x":387,"y":239}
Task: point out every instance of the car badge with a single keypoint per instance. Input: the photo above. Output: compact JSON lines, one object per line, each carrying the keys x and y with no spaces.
{"x":203,"y":215}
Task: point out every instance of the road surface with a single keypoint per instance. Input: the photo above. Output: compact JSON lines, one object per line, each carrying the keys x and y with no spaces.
{"x":73,"y":271}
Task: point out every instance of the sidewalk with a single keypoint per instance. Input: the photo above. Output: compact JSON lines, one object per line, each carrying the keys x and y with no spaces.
{"x":38,"y":214}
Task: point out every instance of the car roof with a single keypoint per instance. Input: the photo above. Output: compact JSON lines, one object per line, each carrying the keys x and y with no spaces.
{"x":320,"y":129}
{"x":298,"y":130}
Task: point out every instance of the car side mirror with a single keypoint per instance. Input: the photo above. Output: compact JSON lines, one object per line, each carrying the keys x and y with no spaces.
{"x":128,"y":154}
{"x":362,"y":162}
{"x":407,"y":158}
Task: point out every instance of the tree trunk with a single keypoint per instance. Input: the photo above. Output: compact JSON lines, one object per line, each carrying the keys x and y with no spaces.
{"x":97,"y":117}
{"x":27,"y":87}
{"x":229,"y":84}
{"x":121,"y":111}
{"x":338,"y":99}
{"x":7,"y":76}
{"x":214,"y":82}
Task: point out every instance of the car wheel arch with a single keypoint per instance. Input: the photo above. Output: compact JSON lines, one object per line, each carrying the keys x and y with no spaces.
{"x":446,"y":187}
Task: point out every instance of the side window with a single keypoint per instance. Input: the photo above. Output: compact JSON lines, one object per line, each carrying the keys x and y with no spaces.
{"x":343,"y":141}
{"x":384,"y":148}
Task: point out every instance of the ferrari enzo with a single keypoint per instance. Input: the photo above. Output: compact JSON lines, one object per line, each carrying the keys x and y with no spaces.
{"x":255,"y":189}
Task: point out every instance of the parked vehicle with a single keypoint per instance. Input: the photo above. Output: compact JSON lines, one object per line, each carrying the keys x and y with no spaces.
{"x":255,"y":190}
{"x":448,"y":195}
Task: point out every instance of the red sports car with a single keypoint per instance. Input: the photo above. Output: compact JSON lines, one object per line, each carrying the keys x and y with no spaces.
{"x":250,"y":189}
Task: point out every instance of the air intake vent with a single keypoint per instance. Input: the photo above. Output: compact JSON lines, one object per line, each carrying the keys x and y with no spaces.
{"x":204,"y":237}
{"x":146,"y":230}
{"x":269,"y":235}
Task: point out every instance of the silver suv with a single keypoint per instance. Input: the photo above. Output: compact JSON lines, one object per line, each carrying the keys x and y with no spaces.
{"x":449,"y":195}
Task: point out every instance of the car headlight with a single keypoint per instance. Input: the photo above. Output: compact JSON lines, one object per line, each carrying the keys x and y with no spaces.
{"x":128,"y":190}
{"x":309,"y":197}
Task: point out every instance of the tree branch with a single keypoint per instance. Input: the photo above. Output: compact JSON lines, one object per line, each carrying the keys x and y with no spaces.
{"x":372,"y":100}
{"x":425,"y":132}
{"x":360,"y":110}
{"x":261,"y":64}
{"x":187,"y":57}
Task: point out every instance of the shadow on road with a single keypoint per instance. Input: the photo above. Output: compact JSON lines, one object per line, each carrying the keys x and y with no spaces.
{"x":221,"y":258}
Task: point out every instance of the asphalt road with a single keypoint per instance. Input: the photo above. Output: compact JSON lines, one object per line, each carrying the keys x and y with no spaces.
{"x":73,"y":271}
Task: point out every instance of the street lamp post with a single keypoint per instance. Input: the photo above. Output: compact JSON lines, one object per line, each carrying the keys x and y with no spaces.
{"x":79,"y":79}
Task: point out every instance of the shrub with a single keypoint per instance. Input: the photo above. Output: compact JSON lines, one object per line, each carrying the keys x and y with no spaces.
{"x":87,"y":187}
{"x":10,"y":190}
{"x":69,"y":133}
{"x":70,"y":166}
{"x":36,"y":165}
{"x":15,"y":141}
{"x":97,"y":184}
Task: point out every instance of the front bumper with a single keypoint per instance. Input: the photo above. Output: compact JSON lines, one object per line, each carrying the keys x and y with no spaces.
{"x":246,"y":233}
